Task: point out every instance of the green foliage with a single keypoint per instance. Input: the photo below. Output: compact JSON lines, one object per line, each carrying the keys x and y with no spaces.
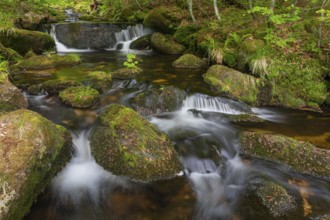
{"x":324,"y":16}
{"x":3,"y":70}
{"x":131,"y":61}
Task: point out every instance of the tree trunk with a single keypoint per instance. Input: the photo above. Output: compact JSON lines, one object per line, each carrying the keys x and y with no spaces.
{"x":324,"y":3}
{"x":272,"y":4}
{"x":250,"y":4}
{"x":216,"y":10}
{"x":190,"y":4}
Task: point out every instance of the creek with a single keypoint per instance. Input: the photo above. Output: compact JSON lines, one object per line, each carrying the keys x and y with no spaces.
{"x":215,"y":179}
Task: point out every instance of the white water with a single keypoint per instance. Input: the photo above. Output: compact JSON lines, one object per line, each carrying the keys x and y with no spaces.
{"x":125,"y":37}
{"x":214,"y":104}
{"x":82,"y":178}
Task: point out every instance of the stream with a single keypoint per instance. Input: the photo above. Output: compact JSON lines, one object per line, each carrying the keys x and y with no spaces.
{"x":215,"y":179}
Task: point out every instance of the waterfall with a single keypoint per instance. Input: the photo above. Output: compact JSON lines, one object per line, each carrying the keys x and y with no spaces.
{"x":214,"y":104}
{"x":87,"y":37}
{"x":71,"y":16}
{"x":125,"y":37}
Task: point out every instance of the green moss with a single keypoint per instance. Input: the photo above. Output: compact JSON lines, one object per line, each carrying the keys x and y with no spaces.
{"x":81,"y":96}
{"x":126,"y":73}
{"x":186,"y":36}
{"x":189,"y":61}
{"x":5,"y":108}
{"x":126,"y":144}
{"x":164,"y":19}
{"x":54,"y":86}
{"x":23,"y":40}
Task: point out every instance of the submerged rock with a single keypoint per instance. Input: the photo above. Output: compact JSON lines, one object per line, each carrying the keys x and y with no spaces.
{"x":164,"y":19}
{"x":23,"y":40}
{"x":142,"y":43}
{"x":32,"y":150}
{"x":189,"y":61}
{"x":300,"y":156}
{"x":45,"y":62}
{"x":166,"y":44}
{"x":100,"y":80}
{"x":52,"y":86}
{"x":10,"y":94}
{"x":155,"y":101}
{"x":278,"y":202}
{"x":80,"y":96}
{"x":128,"y":145}
{"x":126,"y":73}
{"x":232,"y":83}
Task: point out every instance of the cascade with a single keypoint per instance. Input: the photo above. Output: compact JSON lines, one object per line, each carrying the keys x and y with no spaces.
{"x":214,"y":104}
{"x":71,"y":16}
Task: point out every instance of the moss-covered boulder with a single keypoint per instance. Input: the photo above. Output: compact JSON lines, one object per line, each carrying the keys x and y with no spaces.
{"x":126,"y":73}
{"x":9,"y":54}
{"x":166,"y":99}
{"x":274,"y":197}
{"x":80,"y":96}
{"x":32,"y":20}
{"x":247,"y":49}
{"x":232,"y":83}
{"x":189,"y":61}
{"x":128,"y":145}
{"x":52,"y":86}
{"x":300,"y":156}
{"x":32,"y":150}
{"x":142,"y":43}
{"x":10,"y":94}
{"x":44,"y":62}
{"x":23,"y":40}
{"x":245,"y":119}
{"x":166,"y":44}
{"x":5,"y":108}
{"x":164,"y":19}
{"x":100,"y":80}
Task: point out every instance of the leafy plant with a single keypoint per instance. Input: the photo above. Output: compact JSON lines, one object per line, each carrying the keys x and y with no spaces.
{"x":131,"y":61}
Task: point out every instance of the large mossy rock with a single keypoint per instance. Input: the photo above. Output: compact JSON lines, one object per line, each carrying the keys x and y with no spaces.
{"x":32,"y":150}
{"x":126,"y":144}
{"x":166,"y":44}
{"x":126,"y":73}
{"x":80,"y":96}
{"x":10,"y":94}
{"x":100,"y":80}
{"x":23,"y":40}
{"x":155,"y":101}
{"x":45,"y":62}
{"x":10,"y":54}
{"x":189,"y":61}
{"x":300,"y":156}
{"x":52,"y":86}
{"x":274,"y":197}
{"x":32,"y":20}
{"x":164,"y":19}
{"x":232,"y":83}
{"x":142,"y":43}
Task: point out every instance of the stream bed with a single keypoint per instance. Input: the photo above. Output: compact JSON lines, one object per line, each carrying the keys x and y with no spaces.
{"x":215,"y":181}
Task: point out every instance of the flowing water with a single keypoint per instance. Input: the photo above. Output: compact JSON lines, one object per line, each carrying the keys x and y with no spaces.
{"x":214,"y":181}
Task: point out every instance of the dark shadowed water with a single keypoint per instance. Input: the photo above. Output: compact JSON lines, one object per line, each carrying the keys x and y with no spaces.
{"x":215,"y":181}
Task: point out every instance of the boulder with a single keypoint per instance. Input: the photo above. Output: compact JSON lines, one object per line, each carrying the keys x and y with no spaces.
{"x":44,"y":62}
{"x":155,"y":101}
{"x":10,"y":94}
{"x":126,"y":144}
{"x":164,"y":19}
{"x":232,"y":83}
{"x":32,"y":150}
{"x":189,"y":61}
{"x":32,"y":20}
{"x":52,"y":86}
{"x":10,"y":54}
{"x":142,"y":43}
{"x":166,"y":44}
{"x":245,"y":119}
{"x":299,"y":156}
{"x":80,"y":96}
{"x":100,"y":80}
{"x":274,"y":197}
{"x":24,"y":40}
{"x":126,"y":73}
